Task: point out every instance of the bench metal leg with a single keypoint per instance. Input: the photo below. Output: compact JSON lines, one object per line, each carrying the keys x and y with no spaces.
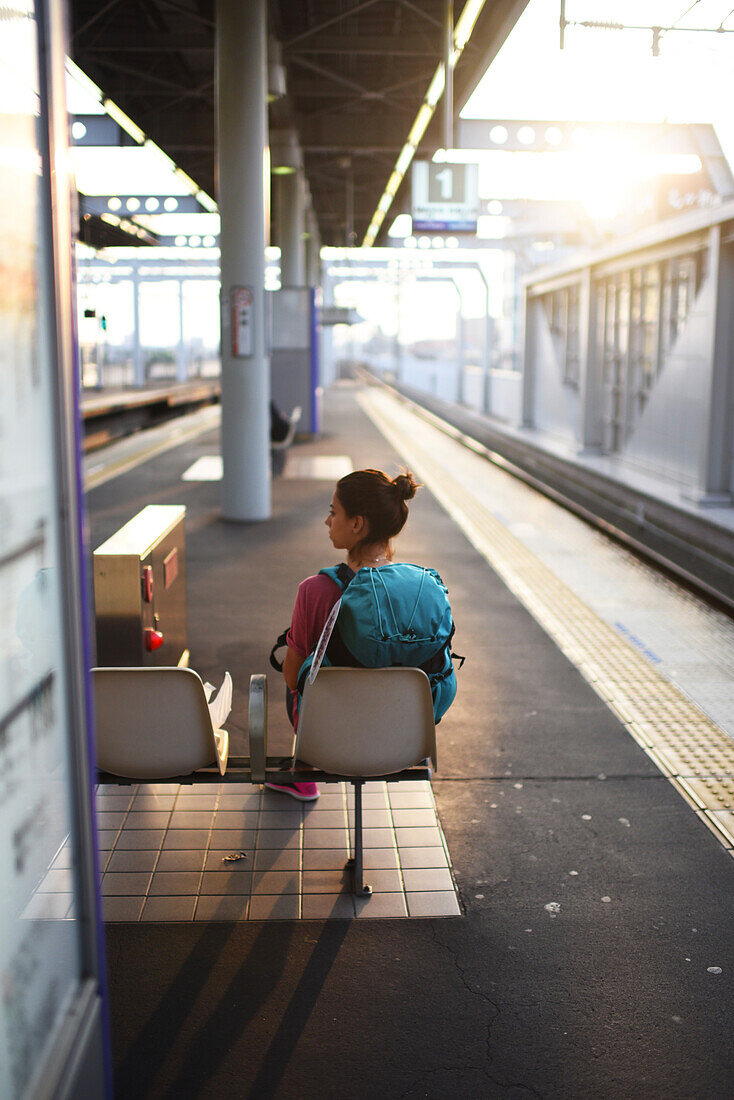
{"x":359,"y":886}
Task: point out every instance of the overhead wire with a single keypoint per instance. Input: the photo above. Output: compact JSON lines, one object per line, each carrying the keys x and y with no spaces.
{"x":685,"y":13}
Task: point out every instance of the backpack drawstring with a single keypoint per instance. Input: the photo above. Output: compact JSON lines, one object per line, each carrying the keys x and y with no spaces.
{"x":377,"y":603}
{"x":392,"y":609}
{"x":417,"y":601}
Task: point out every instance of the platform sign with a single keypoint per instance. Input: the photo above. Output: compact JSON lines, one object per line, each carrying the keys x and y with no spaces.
{"x":445,"y":197}
{"x":243,"y":328}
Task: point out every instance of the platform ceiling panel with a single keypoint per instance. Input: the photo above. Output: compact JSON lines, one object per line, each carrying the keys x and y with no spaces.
{"x":356,"y":74}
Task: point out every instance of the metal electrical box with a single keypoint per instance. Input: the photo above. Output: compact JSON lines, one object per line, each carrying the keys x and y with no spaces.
{"x":140,"y":590}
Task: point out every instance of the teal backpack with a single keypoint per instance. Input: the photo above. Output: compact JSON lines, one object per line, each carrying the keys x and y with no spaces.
{"x":395,"y":615}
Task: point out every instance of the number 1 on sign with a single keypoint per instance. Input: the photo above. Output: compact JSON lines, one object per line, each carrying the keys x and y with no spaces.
{"x":446,"y":178}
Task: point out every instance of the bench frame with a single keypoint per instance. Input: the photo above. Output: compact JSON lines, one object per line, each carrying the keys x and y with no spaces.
{"x":258,"y":768}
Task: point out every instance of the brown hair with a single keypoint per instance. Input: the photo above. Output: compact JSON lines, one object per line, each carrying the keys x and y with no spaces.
{"x":382,"y":502}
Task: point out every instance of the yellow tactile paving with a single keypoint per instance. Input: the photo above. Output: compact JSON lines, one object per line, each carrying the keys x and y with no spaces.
{"x":675,"y":733}
{"x":724,"y":821}
{"x":711,"y":792}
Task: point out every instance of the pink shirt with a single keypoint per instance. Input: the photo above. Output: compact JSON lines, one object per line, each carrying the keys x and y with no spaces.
{"x":315,"y":599}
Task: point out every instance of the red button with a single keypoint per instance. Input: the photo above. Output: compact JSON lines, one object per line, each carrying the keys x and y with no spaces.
{"x":153,"y":639}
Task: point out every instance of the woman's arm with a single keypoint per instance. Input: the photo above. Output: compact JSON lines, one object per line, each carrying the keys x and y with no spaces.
{"x":291,"y":666}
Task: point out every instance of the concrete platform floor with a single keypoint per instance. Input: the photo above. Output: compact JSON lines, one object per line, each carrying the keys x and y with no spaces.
{"x":594,"y":952}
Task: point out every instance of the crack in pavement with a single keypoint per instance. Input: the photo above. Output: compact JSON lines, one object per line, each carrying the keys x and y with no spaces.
{"x":495,"y":1010}
{"x":495,"y":1013}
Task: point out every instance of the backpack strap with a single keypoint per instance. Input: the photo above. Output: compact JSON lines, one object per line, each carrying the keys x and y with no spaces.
{"x":278,"y":665}
{"x":340,"y":574}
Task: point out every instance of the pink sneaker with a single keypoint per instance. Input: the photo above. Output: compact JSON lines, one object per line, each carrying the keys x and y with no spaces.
{"x":304,"y":792}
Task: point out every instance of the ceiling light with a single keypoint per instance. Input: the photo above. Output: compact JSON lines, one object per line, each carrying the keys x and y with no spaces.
{"x":78,"y":130}
{"x":133,"y":204}
{"x":151,"y":203}
{"x":114,"y":203}
{"x":192,"y":186}
{"x":170,"y":204}
{"x":83,"y":80}
{"x":436,"y":87}
{"x":418,"y":129}
{"x":123,"y":121}
{"x":394,"y":183}
{"x":207,"y":202}
{"x":403,"y":162}
{"x":465,"y":22}
{"x":160,"y":155}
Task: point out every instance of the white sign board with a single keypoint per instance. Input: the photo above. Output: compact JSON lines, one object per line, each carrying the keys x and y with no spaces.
{"x":445,"y":197}
{"x":243,"y":331}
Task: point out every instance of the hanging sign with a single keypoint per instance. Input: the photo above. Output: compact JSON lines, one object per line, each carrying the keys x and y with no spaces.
{"x":444,"y":197}
{"x":243,"y":325}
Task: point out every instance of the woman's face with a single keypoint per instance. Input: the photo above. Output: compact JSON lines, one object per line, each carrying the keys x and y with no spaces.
{"x":344,"y":530}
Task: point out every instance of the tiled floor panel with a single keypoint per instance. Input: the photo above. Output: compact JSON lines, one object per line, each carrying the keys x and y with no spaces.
{"x":235,"y":852}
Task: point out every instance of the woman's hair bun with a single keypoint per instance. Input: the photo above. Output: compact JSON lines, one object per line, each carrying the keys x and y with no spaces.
{"x":406,"y":485}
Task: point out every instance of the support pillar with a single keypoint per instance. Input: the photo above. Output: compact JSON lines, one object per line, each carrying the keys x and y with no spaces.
{"x":181,"y":364}
{"x":716,"y":474}
{"x":244,"y":175}
{"x":529,"y":352}
{"x":591,"y":421}
{"x":313,"y":252}
{"x":138,"y":365}
{"x":291,"y":229}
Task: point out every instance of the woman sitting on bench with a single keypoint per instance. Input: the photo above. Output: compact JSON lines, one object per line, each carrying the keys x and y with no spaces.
{"x":368,"y":509}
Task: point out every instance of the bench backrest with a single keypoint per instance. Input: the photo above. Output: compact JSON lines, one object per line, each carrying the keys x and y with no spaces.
{"x":152,"y":723}
{"x":366,"y":721}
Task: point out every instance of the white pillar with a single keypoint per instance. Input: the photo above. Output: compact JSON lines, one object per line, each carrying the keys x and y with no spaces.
{"x":313,"y":252}
{"x":138,"y":364}
{"x":715,"y":477}
{"x":290,"y":229}
{"x":529,"y":352}
{"x":244,"y":182}
{"x":181,"y":364}
{"x":591,"y":425}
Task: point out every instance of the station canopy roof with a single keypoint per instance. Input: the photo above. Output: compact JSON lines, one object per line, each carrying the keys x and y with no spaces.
{"x":356,"y":77}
